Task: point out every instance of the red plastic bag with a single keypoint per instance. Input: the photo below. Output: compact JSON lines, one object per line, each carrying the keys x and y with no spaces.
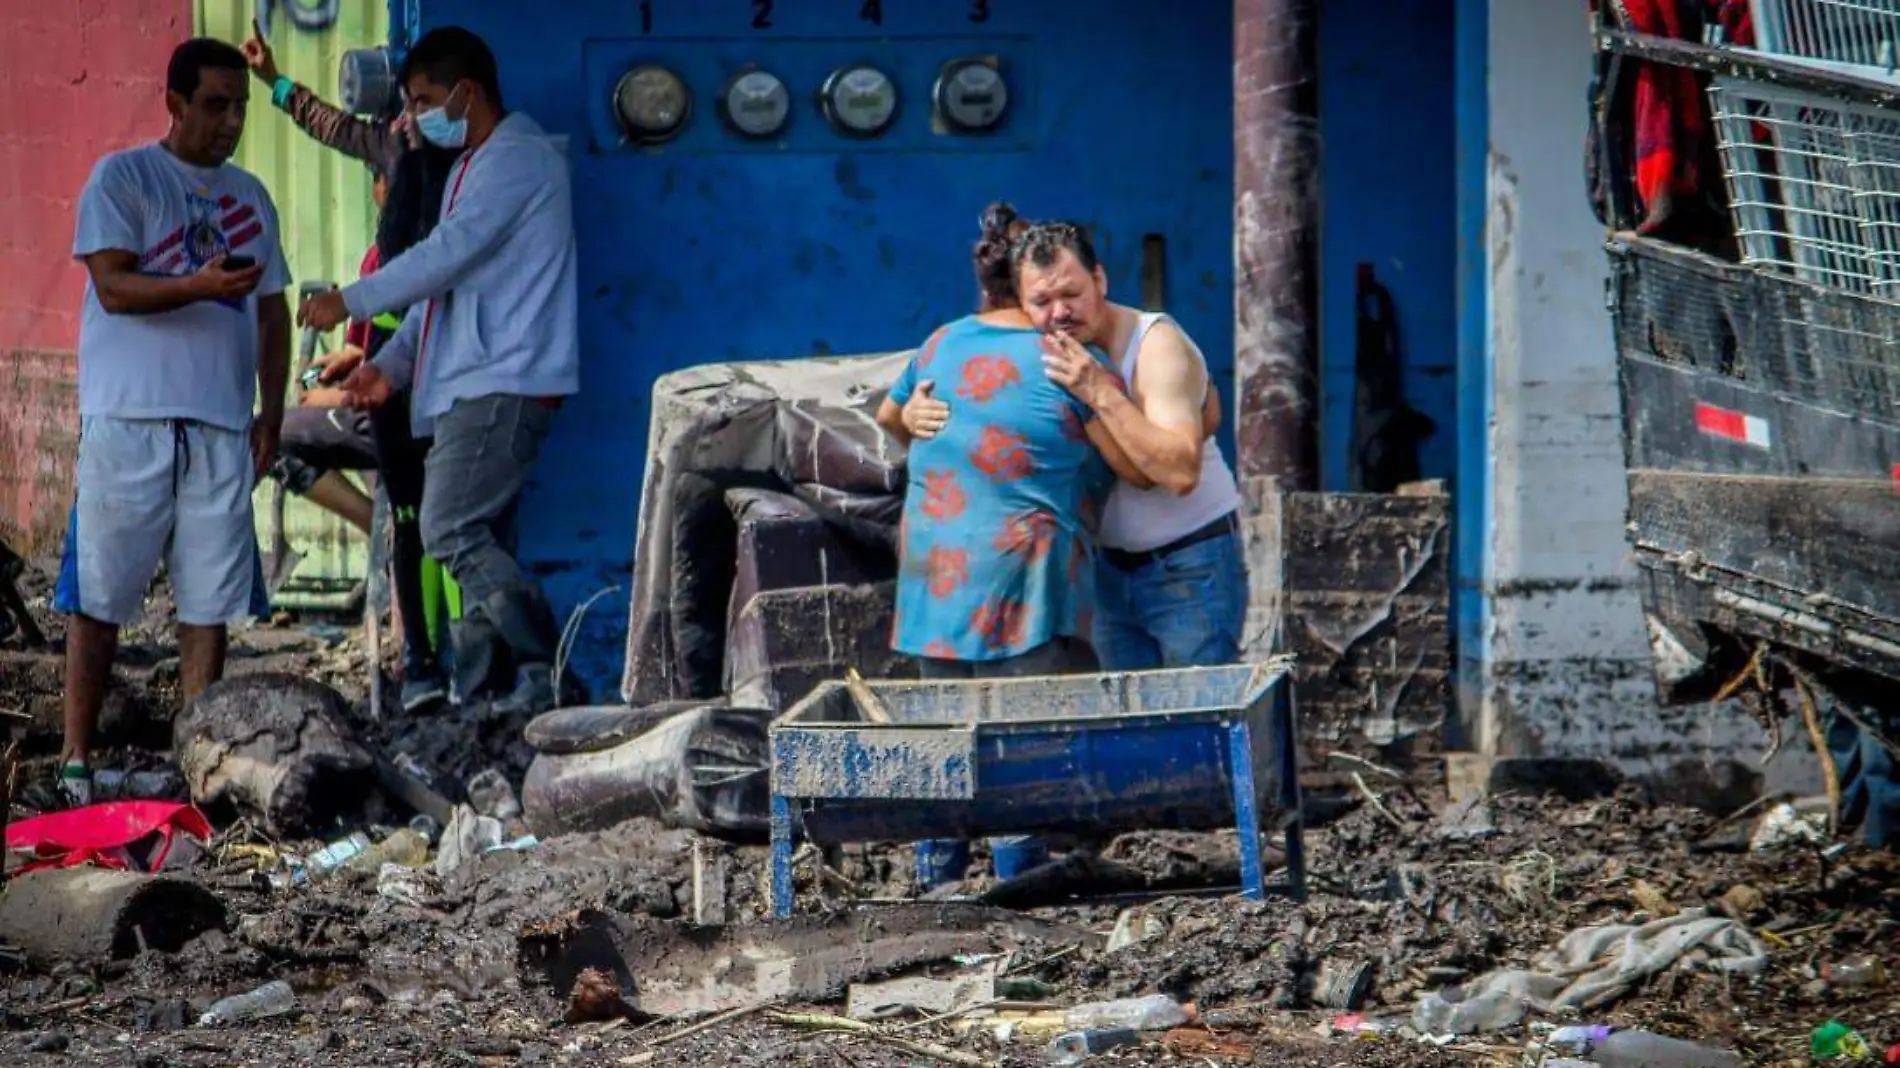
{"x":131,"y":835}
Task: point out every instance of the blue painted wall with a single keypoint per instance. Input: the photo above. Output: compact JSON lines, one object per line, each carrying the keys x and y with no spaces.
{"x":1388,"y":143}
{"x":1472,"y":516}
{"x":710,"y":250}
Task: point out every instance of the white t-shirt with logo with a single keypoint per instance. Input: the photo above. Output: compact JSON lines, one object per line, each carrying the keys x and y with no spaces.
{"x":200,"y":361}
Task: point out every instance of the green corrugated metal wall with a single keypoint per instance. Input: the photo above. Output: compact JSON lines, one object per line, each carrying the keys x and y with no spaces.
{"x":324,"y":201}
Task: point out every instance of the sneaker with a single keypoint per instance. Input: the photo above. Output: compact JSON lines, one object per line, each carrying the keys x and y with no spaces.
{"x":533,"y":693}
{"x":75,"y":783}
{"x":422,"y":692}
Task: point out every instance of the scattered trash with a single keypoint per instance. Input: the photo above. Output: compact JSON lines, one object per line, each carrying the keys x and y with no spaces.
{"x":1133,"y":927}
{"x":1835,"y":1041}
{"x":1194,"y":1042}
{"x":1361,"y":1024}
{"x":406,"y":885}
{"x":1590,"y":968}
{"x":921,"y":994}
{"x":467,"y":836}
{"x":1611,"y":1048}
{"x":1742,"y":902}
{"x":1790,"y":823}
{"x":332,"y":858}
{"x":1467,"y":820}
{"x":1455,"y":1011}
{"x":1078,"y":1046}
{"x":272,"y":999}
{"x":1343,"y":986}
{"x":404,"y":847}
{"x":490,"y":795}
{"x":596,"y":996}
{"x":1855,"y":973}
{"x":130,"y":835}
{"x":1651,"y":900}
{"x":1156,"y":1012}
{"x":1023,"y":988}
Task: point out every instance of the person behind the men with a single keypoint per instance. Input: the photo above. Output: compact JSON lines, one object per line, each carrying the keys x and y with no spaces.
{"x":183,"y":330}
{"x":1171,"y":590}
{"x":409,"y":179}
{"x":489,"y":343}
{"x":995,"y":560}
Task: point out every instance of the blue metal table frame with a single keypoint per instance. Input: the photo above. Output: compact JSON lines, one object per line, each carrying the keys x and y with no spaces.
{"x":1191,"y":749}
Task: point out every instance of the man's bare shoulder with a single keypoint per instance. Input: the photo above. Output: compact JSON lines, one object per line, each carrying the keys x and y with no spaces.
{"x":1168,"y":355}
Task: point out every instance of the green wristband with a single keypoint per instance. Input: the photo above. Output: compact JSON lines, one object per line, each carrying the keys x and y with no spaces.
{"x":280,"y":91}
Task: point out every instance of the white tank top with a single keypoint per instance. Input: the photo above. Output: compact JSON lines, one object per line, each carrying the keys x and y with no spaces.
{"x":1137,"y":520}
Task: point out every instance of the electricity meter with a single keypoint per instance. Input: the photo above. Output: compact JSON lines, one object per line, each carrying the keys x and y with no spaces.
{"x":971,"y":95}
{"x":860,"y":101}
{"x":652,"y":103}
{"x":366,"y":81}
{"x":756,"y":103}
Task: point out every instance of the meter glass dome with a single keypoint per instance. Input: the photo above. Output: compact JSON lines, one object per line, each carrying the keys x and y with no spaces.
{"x":971,"y":95}
{"x":860,"y":100}
{"x":757,"y":104}
{"x":652,"y":103}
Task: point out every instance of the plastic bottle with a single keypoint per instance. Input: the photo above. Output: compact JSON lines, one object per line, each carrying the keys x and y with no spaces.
{"x":1449,"y":1012}
{"x":406,"y":847}
{"x":335,"y":855}
{"x":1078,"y":1046}
{"x":271,"y":999}
{"x":1640,"y":1049}
{"x":1855,"y":973}
{"x":1156,"y":1012}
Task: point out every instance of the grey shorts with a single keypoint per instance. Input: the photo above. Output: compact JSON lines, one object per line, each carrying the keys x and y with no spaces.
{"x":161,"y":490}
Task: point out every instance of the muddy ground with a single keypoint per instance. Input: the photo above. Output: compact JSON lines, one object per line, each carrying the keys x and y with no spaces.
{"x":436,"y":974}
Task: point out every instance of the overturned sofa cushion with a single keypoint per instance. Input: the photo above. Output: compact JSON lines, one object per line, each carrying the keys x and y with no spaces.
{"x":702,"y":768}
{"x":784,"y":642}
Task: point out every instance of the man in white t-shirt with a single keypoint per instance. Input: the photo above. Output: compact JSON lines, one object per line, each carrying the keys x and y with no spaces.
{"x":184,"y":328}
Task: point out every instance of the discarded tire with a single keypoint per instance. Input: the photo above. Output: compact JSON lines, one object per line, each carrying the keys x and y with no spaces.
{"x":704,"y":768}
{"x":88,"y":915}
{"x":277,"y":748}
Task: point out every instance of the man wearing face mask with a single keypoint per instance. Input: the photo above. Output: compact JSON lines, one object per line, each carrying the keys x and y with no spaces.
{"x":489,"y":345}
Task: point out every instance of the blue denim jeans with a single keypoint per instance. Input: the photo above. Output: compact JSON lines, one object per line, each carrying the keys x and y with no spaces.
{"x":943,"y":860}
{"x":484,"y":450}
{"x":1185,"y":609}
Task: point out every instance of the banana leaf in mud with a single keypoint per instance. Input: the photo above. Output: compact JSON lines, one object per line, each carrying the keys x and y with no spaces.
{"x":703,"y":768}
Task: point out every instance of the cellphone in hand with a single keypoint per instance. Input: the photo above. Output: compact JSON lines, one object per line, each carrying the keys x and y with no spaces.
{"x":239,"y":263}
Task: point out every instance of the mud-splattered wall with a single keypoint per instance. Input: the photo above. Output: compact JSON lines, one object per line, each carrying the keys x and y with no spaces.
{"x":1565,"y":663}
{"x":713,"y":248}
{"x":77,"y":79}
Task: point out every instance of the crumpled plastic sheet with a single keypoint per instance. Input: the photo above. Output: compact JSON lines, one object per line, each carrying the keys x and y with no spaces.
{"x":1595,"y":966}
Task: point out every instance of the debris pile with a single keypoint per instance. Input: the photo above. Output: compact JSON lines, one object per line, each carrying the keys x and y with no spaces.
{"x":311,"y":890}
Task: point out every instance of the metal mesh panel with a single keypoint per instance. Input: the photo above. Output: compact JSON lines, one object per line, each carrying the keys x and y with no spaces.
{"x":1858,"y":32}
{"x":1830,"y":348}
{"x":1814,"y":183}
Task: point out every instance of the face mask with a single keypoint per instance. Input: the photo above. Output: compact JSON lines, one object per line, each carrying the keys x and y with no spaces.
{"x":438,"y":129}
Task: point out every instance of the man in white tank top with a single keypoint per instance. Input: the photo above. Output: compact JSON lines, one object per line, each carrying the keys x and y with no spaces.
{"x":1172,"y":584}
